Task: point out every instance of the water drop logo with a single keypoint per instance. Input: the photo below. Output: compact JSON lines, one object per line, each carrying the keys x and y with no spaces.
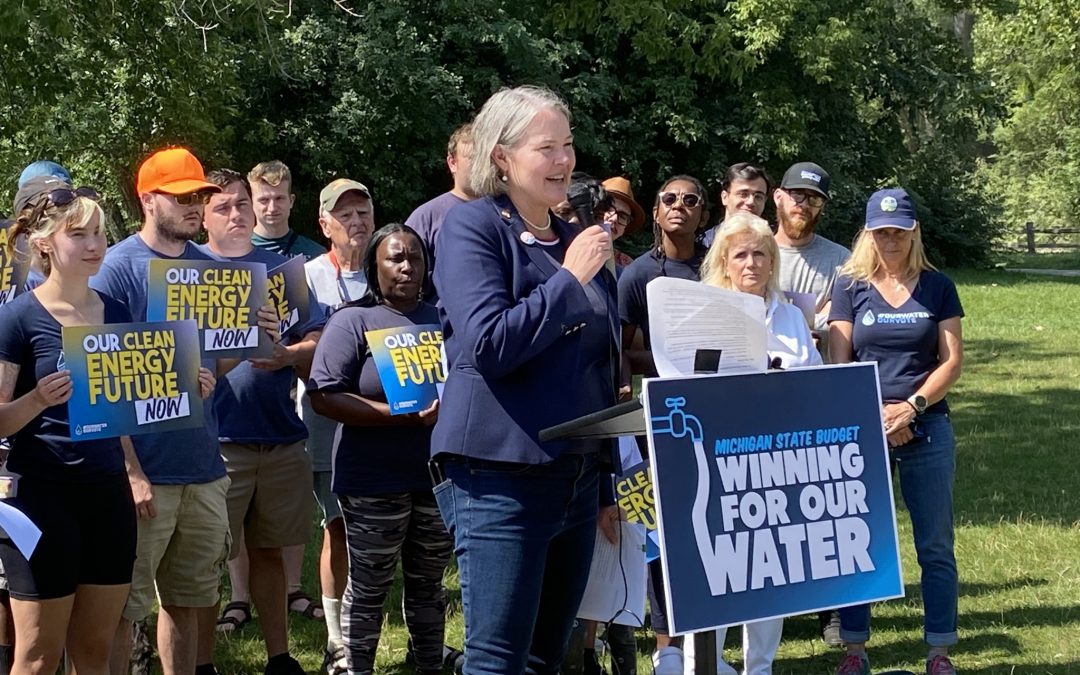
{"x":869,"y":319}
{"x":78,"y":430}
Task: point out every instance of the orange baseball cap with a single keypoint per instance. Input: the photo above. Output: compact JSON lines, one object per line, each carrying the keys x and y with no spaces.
{"x":174,"y":171}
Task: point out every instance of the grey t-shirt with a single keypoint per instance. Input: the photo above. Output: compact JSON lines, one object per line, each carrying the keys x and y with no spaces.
{"x":332,"y":288}
{"x":812,"y":269}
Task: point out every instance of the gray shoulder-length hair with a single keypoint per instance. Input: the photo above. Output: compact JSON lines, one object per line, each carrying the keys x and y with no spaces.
{"x":502,"y":121}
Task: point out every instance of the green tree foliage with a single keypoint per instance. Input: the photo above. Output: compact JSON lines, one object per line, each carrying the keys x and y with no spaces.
{"x":1031,"y":53}
{"x":877,"y":91}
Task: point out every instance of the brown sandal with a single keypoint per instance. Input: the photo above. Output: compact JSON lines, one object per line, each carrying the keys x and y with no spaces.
{"x":231,"y":624}
{"x":312,"y":610}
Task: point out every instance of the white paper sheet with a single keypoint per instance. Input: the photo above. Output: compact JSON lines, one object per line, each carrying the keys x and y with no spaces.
{"x":19,"y":529}
{"x":685,"y":316}
{"x":616,"y":588}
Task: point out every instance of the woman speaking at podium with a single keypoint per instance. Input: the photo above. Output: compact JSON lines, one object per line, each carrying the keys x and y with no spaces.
{"x":530,"y":331}
{"x":744,"y":257}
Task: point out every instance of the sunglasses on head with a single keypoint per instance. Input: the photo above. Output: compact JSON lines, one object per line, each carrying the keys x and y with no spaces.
{"x":688,"y":199}
{"x":64,"y":196}
{"x":800,"y":197}
{"x":189,"y":198}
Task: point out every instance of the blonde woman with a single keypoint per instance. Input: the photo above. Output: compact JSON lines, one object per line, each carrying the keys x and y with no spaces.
{"x":71,"y":590}
{"x":744,"y":257}
{"x":891,"y":306}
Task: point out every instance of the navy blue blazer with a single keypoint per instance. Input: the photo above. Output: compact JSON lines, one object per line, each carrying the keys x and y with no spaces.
{"x":511,"y":326}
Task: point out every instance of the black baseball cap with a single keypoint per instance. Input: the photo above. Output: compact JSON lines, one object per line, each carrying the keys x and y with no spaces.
{"x":807,"y":176}
{"x":32,"y":190}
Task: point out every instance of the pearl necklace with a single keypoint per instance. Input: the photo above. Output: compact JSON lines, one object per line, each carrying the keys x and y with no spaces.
{"x":536,"y":227}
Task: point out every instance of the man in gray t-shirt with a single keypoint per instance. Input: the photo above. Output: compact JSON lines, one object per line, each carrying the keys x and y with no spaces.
{"x":808,"y":262}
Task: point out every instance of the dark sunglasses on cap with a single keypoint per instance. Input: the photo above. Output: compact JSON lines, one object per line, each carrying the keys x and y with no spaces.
{"x":189,"y":198}
{"x":688,"y":199}
{"x":64,"y":196}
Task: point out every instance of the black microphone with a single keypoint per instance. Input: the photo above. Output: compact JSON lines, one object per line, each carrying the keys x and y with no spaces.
{"x":580,"y":196}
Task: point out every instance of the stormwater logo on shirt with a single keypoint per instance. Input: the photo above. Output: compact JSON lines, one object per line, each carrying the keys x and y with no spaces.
{"x":901,"y":317}
{"x":869,"y":319}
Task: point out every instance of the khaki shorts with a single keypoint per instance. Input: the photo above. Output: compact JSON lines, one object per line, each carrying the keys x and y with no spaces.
{"x":270,"y":503}
{"x":182,"y":550}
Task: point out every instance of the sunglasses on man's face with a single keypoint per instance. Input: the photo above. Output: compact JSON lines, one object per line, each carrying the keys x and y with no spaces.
{"x":688,"y":199}
{"x":799,"y":197}
{"x":189,"y":198}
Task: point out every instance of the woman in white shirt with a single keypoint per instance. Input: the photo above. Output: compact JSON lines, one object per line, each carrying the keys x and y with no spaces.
{"x":744,"y":257}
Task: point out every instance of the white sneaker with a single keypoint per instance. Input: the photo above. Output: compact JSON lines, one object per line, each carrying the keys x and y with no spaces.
{"x":667,"y":661}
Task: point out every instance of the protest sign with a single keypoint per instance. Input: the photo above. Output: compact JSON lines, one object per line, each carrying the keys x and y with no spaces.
{"x":634,"y":493}
{"x":223,"y":298}
{"x":132,"y":378}
{"x":13,"y":269}
{"x":287,"y":285}
{"x":410,"y":364}
{"x":773,"y":494}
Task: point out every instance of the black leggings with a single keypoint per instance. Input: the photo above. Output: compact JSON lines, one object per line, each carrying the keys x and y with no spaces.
{"x":87,"y":537}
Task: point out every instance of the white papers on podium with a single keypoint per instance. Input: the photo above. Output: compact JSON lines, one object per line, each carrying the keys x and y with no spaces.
{"x":685,"y":316}
{"x":616,"y":588}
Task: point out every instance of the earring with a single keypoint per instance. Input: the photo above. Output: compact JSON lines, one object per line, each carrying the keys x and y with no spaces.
{"x":503,"y":178}
{"x":420,"y":296}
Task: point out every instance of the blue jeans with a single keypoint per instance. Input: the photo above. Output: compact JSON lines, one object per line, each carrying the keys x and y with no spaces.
{"x":523,"y":536}
{"x":927,"y":466}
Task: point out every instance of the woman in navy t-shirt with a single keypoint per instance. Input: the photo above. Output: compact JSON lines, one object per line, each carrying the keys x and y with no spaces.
{"x":380,"y":460}
{"x":72,"y":589}
{"x":891,"y":306}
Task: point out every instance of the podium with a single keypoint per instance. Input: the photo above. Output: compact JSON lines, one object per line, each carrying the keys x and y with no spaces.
{"x":628,"y":419}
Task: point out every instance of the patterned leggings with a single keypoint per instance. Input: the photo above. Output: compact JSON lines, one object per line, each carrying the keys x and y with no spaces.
{"x":379,"y":531}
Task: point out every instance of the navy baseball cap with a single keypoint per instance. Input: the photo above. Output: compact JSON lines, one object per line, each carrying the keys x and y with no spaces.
{"x":44,"y":168}
{"x":891,"y":208}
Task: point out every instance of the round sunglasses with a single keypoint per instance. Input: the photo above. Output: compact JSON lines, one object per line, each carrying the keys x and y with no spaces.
{"x":688,"y":199}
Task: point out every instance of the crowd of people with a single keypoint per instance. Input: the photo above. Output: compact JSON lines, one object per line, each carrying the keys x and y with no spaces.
{"x":544,"y":320}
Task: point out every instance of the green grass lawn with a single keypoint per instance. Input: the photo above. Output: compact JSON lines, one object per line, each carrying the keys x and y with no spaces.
{"x":1024,"y":260}
{"x":1017,"y":506}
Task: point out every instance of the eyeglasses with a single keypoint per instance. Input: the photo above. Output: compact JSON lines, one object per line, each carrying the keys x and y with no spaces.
{"x":800,"y":197}
{"x":64,"y":196}
{"x":622,"y":216}
{"x":688,"y":199}
{"x":189,"y":198}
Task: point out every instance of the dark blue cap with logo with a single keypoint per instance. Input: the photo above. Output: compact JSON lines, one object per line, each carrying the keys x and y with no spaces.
{"x":806,"y":176}
{"x":891,"y":208}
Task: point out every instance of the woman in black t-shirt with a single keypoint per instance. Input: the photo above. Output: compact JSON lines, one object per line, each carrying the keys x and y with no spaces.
{"x":380,"y":460}
{"x":891,"y":306}
{"x":72,"y":589}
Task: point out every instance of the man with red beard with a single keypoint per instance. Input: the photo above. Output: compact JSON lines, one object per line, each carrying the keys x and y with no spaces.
{"x":808,"y":261}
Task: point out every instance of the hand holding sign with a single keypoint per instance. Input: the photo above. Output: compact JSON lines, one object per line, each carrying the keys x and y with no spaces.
{"x":53,"y":389}
{"x":207,"y":382}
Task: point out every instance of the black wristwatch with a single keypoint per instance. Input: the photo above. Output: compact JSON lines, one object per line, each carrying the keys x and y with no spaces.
{"x":918,"y":402}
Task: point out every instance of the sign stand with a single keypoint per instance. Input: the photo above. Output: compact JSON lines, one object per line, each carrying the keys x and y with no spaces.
{"x":628,"y":419}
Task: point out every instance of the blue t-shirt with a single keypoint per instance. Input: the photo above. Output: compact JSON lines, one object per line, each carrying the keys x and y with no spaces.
{"x":183,"y":456}
{"x":427,"y":220}
{"x":290,"y":246}
{"x":903,"y":340}
{"x":254,"y":405}
{"x":32,"y":339}
{"x":369,"y":460}
{"x":633,"y":309}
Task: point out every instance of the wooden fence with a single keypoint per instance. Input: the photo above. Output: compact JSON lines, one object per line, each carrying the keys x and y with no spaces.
{"x":1033,"y":246}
